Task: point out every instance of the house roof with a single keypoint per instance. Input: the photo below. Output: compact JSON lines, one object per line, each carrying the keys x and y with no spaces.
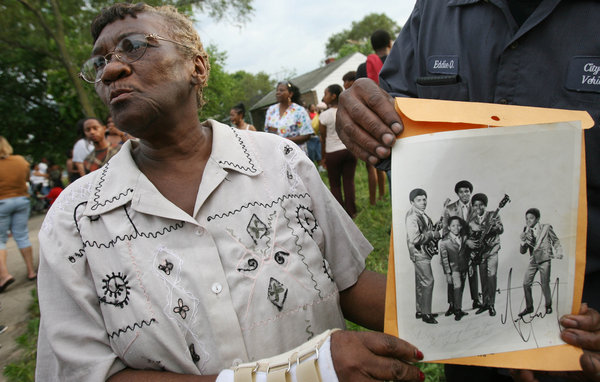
{"x":305,"y":82}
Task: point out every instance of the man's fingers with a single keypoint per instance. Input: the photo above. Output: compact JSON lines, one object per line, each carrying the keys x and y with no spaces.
{"x":367,"y":122}
{"x":357,"y":140}
{"x":523,"y":375}
{"x":588,"y":319}
{"x":375,"y":117}
{"x":362,"y":125}
{"x":379,"y":101}
{"x":590,"y":363}
{"x":582,"y":338}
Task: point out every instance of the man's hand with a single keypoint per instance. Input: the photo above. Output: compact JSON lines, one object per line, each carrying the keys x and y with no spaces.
{"x":367,"y":122}
{"x":583,"y":330}
{"x":371,"y":356}
{"x":472,"y":243}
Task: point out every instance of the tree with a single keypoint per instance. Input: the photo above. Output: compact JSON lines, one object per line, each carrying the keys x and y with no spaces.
{"x":253,"y":86}
{"x":357,"y":38}
{"x":225,"y":90}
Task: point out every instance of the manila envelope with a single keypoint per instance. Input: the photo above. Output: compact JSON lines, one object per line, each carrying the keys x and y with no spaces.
{"x":424,"y":116}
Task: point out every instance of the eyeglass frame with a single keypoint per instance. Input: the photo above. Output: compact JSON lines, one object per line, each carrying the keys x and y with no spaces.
{"x":118,"y":57}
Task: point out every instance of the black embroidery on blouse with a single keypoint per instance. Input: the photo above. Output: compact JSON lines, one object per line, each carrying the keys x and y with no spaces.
{"x":306,"y":219}
{"x":75,"y":215}
{"x":167,"y":267}
{"x":256,"y":228}
{"x":252,"y":265}
{"x":277,"y":293}
{"x":78,"y":254}
{"x":195,"y":356}
{"x":146,"y":235}
{"x":156,"y":364}
{"x":327,"y":269}
{"x":243,"y":144}
{"x":252,"y":204}
{"x":310,"y":333}
{"x":270,"y":224}
{"x":181,"y":309}
{"x":287,"y":149}
{"x":81,"y":252}
{"x":301,"y":254}
{"x":280,"y":257}
{"x":130,"y":221}
{"x":116,"y":290}
{"x":290,"y":175}
{"x":111,"y":243}
{"x":99,"y":186}
{"x":129,"y":328}
{"x":94,"y":218}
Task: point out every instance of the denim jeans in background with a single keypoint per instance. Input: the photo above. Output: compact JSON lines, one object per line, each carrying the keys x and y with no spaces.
{"x":314,"y":148}
{"x":14,"y":214}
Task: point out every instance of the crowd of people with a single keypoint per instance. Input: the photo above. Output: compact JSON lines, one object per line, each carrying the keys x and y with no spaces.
{"x":158,"y":268}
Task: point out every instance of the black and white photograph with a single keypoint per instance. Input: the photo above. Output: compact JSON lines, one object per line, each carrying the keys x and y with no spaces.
{"x":484,"y":225}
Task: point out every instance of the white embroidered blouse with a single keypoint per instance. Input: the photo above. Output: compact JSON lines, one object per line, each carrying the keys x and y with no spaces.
{"x":127,"y":279}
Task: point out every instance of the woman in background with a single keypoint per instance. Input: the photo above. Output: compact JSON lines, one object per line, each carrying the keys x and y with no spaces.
{"x":287,"y":118}
{"x":237,"y":114}
{"x":14,"y":210}
{"x":340,"y":162}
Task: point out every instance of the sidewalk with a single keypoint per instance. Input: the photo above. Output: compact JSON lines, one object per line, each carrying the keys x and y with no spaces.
{"x":17,"y":297}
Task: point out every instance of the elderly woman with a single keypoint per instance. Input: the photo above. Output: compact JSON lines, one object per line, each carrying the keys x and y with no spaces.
{"x":157,"y":267}
{"x":287,"y":118}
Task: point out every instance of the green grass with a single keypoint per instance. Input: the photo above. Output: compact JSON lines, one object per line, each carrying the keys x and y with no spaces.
{"x":24,"y":369}
{"x":374,"y":222}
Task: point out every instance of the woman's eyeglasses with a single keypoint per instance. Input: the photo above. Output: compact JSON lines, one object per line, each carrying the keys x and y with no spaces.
{"x":128,"y":50}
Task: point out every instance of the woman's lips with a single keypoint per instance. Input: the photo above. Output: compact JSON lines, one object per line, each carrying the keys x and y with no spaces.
{"x":119,"y":95}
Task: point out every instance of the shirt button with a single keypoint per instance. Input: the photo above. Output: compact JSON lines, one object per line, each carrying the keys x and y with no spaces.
{"x":514,"y":45}
{"x":216,"y":288}
{"x":200,"y":231}
{"x":503,"y":101}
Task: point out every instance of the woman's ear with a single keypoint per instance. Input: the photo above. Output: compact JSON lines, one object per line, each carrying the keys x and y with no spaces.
{"x":200,"y":73}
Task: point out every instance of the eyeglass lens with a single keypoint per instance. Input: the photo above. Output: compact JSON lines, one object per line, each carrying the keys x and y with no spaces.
{"x":128,"y":50}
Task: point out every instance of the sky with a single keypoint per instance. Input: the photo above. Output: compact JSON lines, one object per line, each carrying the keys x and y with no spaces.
{"x":289,"y":36}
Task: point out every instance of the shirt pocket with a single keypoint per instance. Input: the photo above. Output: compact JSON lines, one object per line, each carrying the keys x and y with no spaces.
{"x":448,"y":87}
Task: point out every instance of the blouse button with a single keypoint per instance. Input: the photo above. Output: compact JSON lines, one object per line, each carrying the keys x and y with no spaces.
{"x":200,"y":231}
{"x":216,"y":288}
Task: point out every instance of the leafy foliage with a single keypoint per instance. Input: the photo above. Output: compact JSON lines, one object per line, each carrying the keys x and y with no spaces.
{"x":225,"y":90}
{"x":357,"y":38}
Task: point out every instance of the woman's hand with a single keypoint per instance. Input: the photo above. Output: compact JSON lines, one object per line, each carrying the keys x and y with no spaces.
{"x":372,"y":356}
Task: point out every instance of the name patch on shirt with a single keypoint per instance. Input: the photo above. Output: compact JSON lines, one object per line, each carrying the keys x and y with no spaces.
{"x":442,"y":64}
{"x":584,"y":74}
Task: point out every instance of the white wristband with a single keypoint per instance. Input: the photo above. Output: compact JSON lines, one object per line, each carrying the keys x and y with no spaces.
{"x":321,"y":358}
